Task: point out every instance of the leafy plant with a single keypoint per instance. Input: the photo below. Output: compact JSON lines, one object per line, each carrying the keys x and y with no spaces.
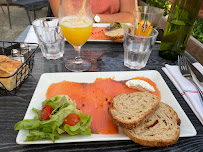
{"x":164,"y":4}
{"x":198,"y":30}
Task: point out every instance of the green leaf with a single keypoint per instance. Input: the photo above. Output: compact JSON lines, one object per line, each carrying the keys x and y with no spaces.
{"x":50,"y":129}
{"x":164,"y":4}
{"x":198,"y":30}
{"x":57,"y":101}
{"x":28,"y":124}
{"x":83,"y":126}
{"x":37,"y":111}
{"x":37,"y":134}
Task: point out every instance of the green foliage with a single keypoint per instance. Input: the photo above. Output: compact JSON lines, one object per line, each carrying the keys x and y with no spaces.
{"x":198,"y":30}
{"x":164,"y":4}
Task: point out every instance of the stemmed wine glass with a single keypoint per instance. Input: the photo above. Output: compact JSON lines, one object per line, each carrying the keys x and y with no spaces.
{"x":75,"y":19}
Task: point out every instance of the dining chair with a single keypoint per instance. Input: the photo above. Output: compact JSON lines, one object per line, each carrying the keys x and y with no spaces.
{"x":6,"y":2}
{"x":2,"y":8}
{"x":29,"y":5}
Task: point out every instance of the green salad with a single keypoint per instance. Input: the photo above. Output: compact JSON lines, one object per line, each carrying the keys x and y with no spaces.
{"x":116,"y":25}
{"x":58,"y":116}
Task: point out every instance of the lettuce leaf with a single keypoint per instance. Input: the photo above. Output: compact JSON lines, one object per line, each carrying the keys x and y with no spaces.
{"x":37,"y":111}
{"x":83,"y":126}
{"x":37,"y":134}
{"x":116,"y":25}
{"x":58,"y":101}
{"x":50,"y":129}
{"x":28,"y":124}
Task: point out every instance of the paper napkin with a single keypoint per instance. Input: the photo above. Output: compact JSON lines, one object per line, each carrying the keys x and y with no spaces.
{"x":31,"y":36}
{"x":186,"y":88}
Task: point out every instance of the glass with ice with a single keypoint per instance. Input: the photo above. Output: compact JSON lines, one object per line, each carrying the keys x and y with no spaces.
{"x":137,"y":49}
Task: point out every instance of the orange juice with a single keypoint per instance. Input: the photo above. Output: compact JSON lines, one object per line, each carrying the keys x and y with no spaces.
{"x":76,"y":31}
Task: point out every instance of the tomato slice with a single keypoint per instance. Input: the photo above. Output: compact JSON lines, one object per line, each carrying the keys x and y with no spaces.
{"x":72,"y":119}
{"x":45,"y":112}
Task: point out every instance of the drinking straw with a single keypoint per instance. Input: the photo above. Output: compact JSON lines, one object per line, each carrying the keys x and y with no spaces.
{"x":136,"y":18}
{"x":82,"y":10}
{"x":136,"y":5}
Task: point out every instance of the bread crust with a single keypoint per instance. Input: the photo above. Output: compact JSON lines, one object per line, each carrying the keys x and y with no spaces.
{"x":115,"y":34}
{"x":134,"y":135}
{"x":10,"y":66}
{"x":4,"y":58}
{"x":129,"y":124}
{"x":153,"y":143}
{"x":7,"y":69}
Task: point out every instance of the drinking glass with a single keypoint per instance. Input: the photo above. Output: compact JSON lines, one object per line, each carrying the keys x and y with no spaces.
{"x":75,"y":19}
{"x":148,"y":13}
{"x":50,"y":38}
{"x":137,"y":49}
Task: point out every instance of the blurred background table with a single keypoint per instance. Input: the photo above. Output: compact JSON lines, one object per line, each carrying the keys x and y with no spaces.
{"x":104,"y":57}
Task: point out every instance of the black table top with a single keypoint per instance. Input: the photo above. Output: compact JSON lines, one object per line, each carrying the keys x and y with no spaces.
{"x":104,"y":57}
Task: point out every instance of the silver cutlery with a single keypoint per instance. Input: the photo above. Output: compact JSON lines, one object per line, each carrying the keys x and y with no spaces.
{"x":196,"y":72}
{"x":185,"y":71}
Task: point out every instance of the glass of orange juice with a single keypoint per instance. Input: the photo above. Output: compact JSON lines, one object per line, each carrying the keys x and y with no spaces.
{"x":75,"y":19}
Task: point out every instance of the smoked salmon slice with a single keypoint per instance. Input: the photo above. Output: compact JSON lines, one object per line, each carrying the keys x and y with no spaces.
{"x":98,"y":33}
{"x":95,"y":98}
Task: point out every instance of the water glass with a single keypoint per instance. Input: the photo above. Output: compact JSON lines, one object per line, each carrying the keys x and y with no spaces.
{"x":148,"y":13}
{"x":50,"y":38}
{"x":137,"y":49}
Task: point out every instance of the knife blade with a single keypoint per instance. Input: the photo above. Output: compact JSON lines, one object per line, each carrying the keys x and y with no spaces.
{"x":198,"y":75}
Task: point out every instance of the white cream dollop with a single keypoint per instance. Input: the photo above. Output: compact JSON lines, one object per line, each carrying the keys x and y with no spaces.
{"x":140,"y":85}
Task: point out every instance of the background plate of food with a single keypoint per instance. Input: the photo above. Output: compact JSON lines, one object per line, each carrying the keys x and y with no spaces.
{"x":102,"y":32}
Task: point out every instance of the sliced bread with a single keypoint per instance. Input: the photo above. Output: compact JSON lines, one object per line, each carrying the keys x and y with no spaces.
{"x":160,"y":129}
{"x":129,"y":110}
{"x":115,"y":34}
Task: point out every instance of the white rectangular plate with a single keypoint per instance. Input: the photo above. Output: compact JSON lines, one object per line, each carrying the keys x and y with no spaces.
{"x":186,"y":127}
{"x":102,"y":25}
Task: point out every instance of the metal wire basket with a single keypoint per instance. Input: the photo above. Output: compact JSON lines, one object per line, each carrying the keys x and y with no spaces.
{"x":23,"y":52}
